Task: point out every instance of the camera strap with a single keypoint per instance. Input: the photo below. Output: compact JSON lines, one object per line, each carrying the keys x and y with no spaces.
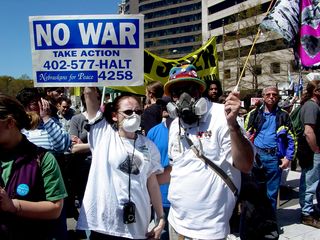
{"x":213,"y":166}
{"x":130,"y":161}
{"x":130,"y":166}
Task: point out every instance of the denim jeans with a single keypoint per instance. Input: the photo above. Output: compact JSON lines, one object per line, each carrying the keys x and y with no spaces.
{"x":272,"y":171}
{"x":308,"y":185}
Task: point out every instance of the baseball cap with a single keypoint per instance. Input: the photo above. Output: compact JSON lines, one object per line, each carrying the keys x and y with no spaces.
{"x":183,"y":74}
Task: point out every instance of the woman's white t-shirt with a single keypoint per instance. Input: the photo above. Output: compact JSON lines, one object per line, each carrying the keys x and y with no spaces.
{"x":107,"y":186}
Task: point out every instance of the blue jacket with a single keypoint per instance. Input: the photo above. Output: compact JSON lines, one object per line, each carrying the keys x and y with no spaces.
{"x":286,"y":140}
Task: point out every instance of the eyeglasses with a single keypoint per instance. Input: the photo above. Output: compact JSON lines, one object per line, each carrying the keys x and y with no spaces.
{"x":271,"y":94}
{"x":129,"y":112}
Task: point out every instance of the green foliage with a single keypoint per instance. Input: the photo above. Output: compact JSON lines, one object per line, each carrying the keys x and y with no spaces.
{"x":12,"y":86}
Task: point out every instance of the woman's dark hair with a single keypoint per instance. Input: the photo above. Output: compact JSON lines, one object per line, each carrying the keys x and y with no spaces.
{"x":311,"y":86}
{"x":27,"y":95}
{"x":114,"y":106}
{"x":11,"y":107}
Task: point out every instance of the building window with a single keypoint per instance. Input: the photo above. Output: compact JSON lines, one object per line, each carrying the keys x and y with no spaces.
{"x":275,"y":67}
{"x":227,"y":74}
{"x":257,"y":70}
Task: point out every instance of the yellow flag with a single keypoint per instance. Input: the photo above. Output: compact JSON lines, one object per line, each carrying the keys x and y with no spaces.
{"x":205,"y":59}
{"x":76,"y":91}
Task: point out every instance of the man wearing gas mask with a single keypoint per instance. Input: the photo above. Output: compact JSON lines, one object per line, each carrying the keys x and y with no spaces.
{"x":201,"y":201}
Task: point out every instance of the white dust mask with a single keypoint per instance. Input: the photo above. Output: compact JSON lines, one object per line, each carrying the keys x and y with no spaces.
{"x":131,"y":123}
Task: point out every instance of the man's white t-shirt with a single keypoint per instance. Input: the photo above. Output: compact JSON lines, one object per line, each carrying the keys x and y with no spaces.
{"x":107,"y":186}
{"x":201,"y":202}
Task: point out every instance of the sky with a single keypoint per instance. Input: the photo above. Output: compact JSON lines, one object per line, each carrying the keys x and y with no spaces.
{"x":15,"y":49}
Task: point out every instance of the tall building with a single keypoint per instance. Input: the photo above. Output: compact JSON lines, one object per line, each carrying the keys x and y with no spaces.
{"x":174,"y":28}
{"x":235,"y":24}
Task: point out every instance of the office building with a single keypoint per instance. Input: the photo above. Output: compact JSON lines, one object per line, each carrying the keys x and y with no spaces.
{"x":174,"y":28}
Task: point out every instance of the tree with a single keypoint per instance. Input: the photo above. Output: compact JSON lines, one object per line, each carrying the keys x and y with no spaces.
{"x":241,"y":32}
{"x":12,"y":86}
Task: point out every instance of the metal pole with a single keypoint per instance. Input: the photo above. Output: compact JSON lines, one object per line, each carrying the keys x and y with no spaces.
{"x":223,"y":64}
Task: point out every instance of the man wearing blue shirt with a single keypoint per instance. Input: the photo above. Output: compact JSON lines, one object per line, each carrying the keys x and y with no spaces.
{"x":270,"y":129}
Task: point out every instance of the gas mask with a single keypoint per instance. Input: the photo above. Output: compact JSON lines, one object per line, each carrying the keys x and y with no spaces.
{"x":131,"y":123}
{"x":187,"y":108}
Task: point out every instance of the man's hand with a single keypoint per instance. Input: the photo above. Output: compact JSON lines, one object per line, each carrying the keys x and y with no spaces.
{"x":232,"y":106}
{"x":284,"y":163}
{"x":75,"y":139}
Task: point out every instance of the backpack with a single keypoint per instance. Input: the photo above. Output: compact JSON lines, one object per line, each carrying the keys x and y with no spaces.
{"x":254,"y":217}
{"x":296,"y":122}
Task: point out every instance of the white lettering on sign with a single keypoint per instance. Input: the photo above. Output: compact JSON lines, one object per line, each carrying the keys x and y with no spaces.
{"x":127,"y":31}
{"x":47,"y":34}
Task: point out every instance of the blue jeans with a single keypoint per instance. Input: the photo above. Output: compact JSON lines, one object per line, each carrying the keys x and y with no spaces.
{"x":272,"y":171}
{"x":308,"y":185}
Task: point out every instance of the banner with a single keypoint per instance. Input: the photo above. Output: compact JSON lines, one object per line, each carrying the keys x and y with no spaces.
{"x":77,"y":91}
{"x":297,"y":21}
{"x":205,"y":59}
{"x":88,"y":50}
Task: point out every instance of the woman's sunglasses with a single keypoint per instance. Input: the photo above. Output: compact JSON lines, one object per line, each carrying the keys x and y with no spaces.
{"x":129,"y":112}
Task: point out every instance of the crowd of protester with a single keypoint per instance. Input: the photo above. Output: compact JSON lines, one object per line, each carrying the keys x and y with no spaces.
{"x":108,"y":180}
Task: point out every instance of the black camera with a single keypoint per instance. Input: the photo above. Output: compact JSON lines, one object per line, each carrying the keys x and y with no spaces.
{"x":129,"y":216}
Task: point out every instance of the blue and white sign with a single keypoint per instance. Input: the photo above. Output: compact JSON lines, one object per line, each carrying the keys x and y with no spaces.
{"x":87,"y":50}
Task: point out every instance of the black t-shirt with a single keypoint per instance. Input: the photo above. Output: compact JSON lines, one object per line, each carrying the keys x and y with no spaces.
{"x":310,"y":114}
{"x":151,"y":116}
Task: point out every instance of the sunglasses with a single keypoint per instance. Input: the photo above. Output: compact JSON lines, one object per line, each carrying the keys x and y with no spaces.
{"x":129,"y":112}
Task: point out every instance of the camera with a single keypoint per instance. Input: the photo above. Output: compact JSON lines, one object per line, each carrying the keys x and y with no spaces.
{"x":129,"y":213}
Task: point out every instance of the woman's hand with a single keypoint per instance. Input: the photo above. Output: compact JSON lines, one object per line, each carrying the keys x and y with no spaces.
{"x":44,"y":107}
{"x":155,"y":232}
{"x":6,"y":203}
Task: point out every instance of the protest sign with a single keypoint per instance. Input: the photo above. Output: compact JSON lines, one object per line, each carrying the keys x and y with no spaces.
{"x":255,"y":100}
{"x":87,"y":50}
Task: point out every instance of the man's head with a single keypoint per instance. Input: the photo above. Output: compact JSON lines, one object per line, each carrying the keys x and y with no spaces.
{"x":213,"y":91}
{"x":270,"y":96}
{"x":184,"y":79}
{"x":64,"y":105}
{"x":162,"y":102}
{"x":185,"y":89}
{"x":313,"y":88}
{"x":54,"y":94}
